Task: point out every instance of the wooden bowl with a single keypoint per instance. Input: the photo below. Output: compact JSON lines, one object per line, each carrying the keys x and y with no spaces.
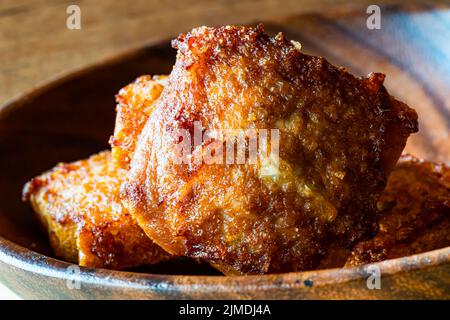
{"x":72,"y":117}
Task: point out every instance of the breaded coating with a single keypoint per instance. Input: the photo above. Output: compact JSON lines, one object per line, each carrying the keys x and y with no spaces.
{"x":134,"y":105}
{"x":78,"y":204}
{"x":340,"y":136}
{"x":415,"y":209}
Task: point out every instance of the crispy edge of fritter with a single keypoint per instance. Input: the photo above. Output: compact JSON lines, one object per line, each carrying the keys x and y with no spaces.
{"x":406,"y":229}
{"x":81,"y":230}
{"x":134,"y":105}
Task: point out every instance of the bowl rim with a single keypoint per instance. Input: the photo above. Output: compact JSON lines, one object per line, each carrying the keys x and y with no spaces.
{"x":15,"y":255}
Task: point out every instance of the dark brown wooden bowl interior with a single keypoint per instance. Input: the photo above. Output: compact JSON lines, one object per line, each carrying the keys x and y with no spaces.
{"x":71,"y":118}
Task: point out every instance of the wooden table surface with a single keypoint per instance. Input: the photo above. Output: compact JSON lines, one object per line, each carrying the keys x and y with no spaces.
{"x":35,"y":44}
{"x":412,"y":47}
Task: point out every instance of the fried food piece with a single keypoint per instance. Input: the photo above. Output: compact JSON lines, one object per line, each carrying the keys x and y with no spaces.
{"x":134,"y":105}
{"x":415,"y":210}
{"x":340,"y":136}
{"x":78,"y":204}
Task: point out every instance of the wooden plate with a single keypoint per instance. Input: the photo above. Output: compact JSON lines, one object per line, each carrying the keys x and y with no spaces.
{"x":71,"y":117}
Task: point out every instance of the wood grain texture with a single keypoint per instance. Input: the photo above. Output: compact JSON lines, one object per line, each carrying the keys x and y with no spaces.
{"x":73,"y":117}
{"x":35,"y":44}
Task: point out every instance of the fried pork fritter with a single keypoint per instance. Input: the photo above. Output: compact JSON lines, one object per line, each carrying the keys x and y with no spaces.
{"x":134,"y":105}
{"x":415,"y":208}
{"x":340,"y":136}
{"x":78,"y":204}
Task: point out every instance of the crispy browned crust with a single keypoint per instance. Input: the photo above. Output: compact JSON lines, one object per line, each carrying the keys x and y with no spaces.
{"x":134,"y":105}
{"x":79,"y":205}
{"x":415,"y":209}
{"x":340,"y":137}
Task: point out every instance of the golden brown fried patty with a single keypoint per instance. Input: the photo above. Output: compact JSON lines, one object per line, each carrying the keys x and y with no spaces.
{"x":415,"y":209}
{"x":79,"y":205}
{"x":340,"y":136}
{"x":134,"y":105}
